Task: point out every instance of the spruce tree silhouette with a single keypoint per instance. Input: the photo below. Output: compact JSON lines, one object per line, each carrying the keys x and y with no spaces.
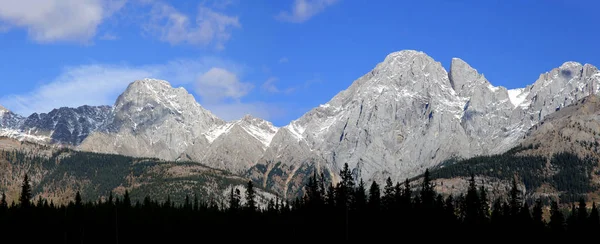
{"x":25,"y":197}
{"x":250,"y":197}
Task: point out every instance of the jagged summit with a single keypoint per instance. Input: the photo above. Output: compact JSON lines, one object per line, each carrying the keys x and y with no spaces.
{"x":3,"y":110}
{"x":408,"y":113}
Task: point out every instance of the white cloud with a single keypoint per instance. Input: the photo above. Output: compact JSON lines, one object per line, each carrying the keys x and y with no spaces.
{"x":270,"y":86}
{"x":100,"y":84}
{"x":218,"y":84}
{"x":302,"y":10}
{"x":209,"y":27}
{"x":57,"y":20}
{"x":283,"y":60}
{"x":108,"y":37}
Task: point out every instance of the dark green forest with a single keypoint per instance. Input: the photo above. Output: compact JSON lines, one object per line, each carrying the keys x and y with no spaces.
{"x":342,"y":212}
{"x":95,"y":175}
{"x":568,"y":174}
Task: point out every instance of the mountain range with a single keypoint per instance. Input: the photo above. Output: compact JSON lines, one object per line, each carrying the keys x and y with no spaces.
{"x":407,"y":114}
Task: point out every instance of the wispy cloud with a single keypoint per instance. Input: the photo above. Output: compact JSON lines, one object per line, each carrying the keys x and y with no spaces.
{"x":100,"y":84}
{"x":303,"y":10}
{"x":209,"y":27}
{"x":216,"y":81}
{"x":270,"y":86}
{"x":108,"y":37}
{"x":218,"y":84}
{"x":283,"y":60}
{"x":57,"y":20}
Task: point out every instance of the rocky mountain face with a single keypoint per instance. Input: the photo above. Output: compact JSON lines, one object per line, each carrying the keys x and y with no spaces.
{"x":558,"y":158}
{"x":152,"y":119}
{"x":65,"y":126}
{"x":407,"y":114}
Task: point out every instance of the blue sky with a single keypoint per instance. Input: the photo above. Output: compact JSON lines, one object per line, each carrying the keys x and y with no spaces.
{"x":272,"y":59}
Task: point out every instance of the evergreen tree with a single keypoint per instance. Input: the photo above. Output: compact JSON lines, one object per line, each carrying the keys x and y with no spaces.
{"x":40,"y":202}
{"x":344,"y":188}
{"x":250,"y":197}
{"x":525,"y":219}
{"x":473,"y":206}
{"x":374,"y":197}
{"x":496,"y":217}
{"x":78,"y":199}
{"x":427,"y":193}
{"x":515,"y":199}
{"x":594,"y":220}
{"x":557,"y":220}
{"x":485,"y":205}
{"x":406,"y":194}
{"x":582,"y":214}
{"x":126,"y":199}
{"x":110,"y":198}
{"x":398,"y":194}
{"x":314,"y":196}
{"x":25,"y":197}
{"x":360,"y":197}
{"x":538,"y":220}
{"x":234,"y":199}
{"x":449,"y":209}
{"x":388,"y":194}
{"x":196,"y":206}
{"x":572,"y":219}
{"x":331,"y":196}
{"x":3,"y":203}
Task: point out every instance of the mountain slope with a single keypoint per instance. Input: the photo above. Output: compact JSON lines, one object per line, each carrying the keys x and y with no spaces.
{"x":65,"y":126}
{"x":405,"y":115}
{"x":152,"y":119}
{"x":557,"y":158}
{"x":409,"y":114}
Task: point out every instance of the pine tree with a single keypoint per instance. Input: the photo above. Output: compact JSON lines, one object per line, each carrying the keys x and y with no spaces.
{"x":78,"y":199}
{"x":110,"y":198}
{"x":250,"y":197}
{"x":388,"y":194}
{"x":473,"y":207}
{"x":234,"y":199}
{"x":449,"y":209}
{"x":582,"y":214}
{"x":525,"y":219}
{"x":572,"y":219}
{"x":594,"y":219}
{"x":344,"y":188}
{"x":485,"y":205}
{"x":187,"y":204}
{"x":360,"y":197}
{"x":25,"y":197}
{"x":406,"y":195}
{"x":196,"y":206}
{"x":496,"y":217}
{"x":331,"y":196}
{"x":314,"y":196}
{"x":557,"y":220}
{"x":374,"y":197}
{"x":427,"y":193}
{"x":3,"y":203}
{"x":515,"y":199}
{"x":126,"y":199}
{"x":538,"y":220}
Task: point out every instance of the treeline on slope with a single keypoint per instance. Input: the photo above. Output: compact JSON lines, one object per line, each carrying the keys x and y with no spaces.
{"x":567,"y":173}
{"x":326,"y":212}
{"x":95,"y":175}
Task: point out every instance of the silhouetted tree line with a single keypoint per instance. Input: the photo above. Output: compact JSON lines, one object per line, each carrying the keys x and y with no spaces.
{"x":345,"y":211}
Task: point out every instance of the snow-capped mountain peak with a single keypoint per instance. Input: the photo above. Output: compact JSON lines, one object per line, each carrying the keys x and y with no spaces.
{"x":3,"y":110}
